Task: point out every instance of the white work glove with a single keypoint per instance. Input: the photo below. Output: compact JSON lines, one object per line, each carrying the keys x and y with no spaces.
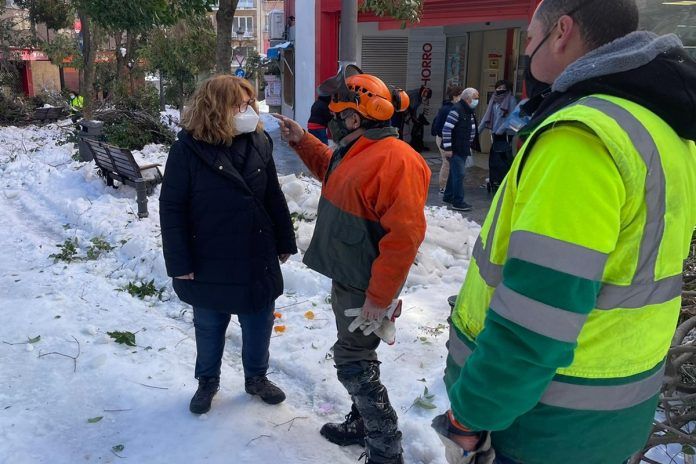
{"x":482,"y":453}
{"x":384,"y":328}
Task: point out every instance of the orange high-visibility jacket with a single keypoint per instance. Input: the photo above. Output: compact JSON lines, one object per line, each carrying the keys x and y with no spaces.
{"x":370,"y":221}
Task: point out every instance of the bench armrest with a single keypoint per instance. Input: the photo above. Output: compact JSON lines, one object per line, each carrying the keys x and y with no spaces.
{"x":149,"y":166}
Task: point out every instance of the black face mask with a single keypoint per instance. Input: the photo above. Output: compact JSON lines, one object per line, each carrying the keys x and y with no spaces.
{"x":500,"y":92}
{"x":338,"y":128}
{"x":533,"y":85}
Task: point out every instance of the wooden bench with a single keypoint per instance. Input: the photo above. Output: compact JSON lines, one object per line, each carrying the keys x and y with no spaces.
{"x":118,"y":164}
{"x":50,"y":114}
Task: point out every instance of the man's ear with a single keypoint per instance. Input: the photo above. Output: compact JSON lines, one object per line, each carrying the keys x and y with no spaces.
{"x":354,"y":120}
{"x":564,"y":33}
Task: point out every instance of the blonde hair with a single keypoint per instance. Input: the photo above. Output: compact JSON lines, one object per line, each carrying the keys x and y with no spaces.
{"x":209,"y":116}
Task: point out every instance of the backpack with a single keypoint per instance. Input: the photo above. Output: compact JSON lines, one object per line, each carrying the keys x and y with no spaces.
{"x":440,"y":119}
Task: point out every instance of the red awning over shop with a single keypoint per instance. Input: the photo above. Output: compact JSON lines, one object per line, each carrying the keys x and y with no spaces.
{"x":446,"y":12}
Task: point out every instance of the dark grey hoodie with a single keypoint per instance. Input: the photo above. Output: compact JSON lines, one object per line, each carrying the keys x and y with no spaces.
{"x":653,"y":71}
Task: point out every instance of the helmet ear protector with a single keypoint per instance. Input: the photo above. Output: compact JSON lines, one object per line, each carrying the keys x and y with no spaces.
{"x":399,"y":98}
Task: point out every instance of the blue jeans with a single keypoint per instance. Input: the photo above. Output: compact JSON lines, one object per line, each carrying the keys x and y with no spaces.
{"x":320,"y":134}
{"x":210,"y":328}
{"x":454,"y":192}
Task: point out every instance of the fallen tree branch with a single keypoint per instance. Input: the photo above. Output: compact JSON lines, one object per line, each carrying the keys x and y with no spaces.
{"x":74,"y":358}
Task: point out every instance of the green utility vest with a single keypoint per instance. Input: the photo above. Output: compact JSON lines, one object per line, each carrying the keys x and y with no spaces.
{"x":618,"y":362}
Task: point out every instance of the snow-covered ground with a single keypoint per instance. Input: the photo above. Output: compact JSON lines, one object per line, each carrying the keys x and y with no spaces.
{"x":69,"y":393}
{"x":50,"y":403}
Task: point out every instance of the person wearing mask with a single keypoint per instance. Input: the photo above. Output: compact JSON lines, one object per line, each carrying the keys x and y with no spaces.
{"x":459,"y":137}
{"x":77,"y":103}
{"x":319,"y":117}
{"x":225,"y":230}
{"x":370,"y":224}
{"x":418,"y":103}
{"x":454,"y":94}
{"x":577,"y":273}
{"x":499,"y":109}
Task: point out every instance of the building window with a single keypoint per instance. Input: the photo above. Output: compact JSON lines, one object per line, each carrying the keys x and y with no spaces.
{"x":267,"y":22}
{"x":246,"y":4}
{"x":244,"y":24}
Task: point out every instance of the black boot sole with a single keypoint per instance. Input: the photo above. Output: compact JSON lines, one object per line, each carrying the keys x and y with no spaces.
{"x":195,"y":410}
{"x":200,"y":409}
{"x":342,"y":442}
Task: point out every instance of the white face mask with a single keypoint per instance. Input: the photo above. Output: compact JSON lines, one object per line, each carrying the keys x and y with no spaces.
{"x":474,"y":103}
{"x":246,"y":122}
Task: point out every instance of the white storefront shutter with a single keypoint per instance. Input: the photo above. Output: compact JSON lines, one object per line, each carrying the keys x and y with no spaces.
{"x":386,"y":58}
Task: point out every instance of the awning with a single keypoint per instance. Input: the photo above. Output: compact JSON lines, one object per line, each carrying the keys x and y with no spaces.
{"x":273,"y":53}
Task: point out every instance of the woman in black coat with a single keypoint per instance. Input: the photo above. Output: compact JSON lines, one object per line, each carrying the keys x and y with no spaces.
{"x":225,"y":228}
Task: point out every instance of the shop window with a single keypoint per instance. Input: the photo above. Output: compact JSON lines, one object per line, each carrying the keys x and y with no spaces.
{"x":456,"y":61}
{"x":670,"y":17}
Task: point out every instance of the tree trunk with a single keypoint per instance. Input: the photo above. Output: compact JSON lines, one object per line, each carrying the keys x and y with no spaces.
{"x":120,"y":59}
{"x":163,"y":105}
{"x":347,"y":52}
{"x":131,"y":53}
{"x":61,"y":75}
{"x":224,"y":19}
{"x":89,"y":55}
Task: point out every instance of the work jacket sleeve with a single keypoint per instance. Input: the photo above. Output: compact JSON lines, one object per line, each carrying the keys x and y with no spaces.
{"x":400,"y":206}
{"x":536,"y":314}
{"x":314,"y":154}
{"x":174,"y":214}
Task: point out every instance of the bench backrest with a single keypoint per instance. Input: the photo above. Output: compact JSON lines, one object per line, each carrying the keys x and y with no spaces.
{"x":114,"y":159}
{"x":43,"y":114}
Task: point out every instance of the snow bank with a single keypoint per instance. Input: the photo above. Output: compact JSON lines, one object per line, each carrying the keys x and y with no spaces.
{"x":142,"y":392}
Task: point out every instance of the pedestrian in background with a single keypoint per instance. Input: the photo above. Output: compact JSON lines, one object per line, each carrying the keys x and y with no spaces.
{"x":454,"y":94}
{"x":459,"y":137}
{"x":225,"y":230}
{"x":319,"y":118}
{"x":560,"y":332}
{"x":499,"y":109}
{"x":418,"y":102}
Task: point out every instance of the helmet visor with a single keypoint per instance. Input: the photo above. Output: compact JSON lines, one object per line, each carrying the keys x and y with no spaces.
{"x":336,"y":87}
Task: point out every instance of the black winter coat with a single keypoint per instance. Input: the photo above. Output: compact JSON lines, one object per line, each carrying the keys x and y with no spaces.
{"x":224,"y":218}
{"x":462,"y":144}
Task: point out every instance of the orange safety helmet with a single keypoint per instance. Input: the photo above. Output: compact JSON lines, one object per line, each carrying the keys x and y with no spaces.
{"x":364,"y":93}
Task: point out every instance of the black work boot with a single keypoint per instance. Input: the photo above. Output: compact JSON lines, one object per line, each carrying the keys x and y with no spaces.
{"x":265,"y":389}
{"x":349,"y":432}
{"x":374,"y":460}
{"x":382,"y":435}
{"x":207,"y":388}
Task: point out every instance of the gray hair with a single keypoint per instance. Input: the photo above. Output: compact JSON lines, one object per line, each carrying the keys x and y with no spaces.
{"x":599,"y":22}
{"x":468,"y":94}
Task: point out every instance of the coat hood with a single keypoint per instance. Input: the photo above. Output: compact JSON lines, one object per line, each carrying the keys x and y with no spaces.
{"x":654,"y":71}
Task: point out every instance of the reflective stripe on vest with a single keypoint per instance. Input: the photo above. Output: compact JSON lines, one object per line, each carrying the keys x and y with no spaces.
{"x":574,"y":396}
{"x":643,"y":290}
{"x":492,"y":273}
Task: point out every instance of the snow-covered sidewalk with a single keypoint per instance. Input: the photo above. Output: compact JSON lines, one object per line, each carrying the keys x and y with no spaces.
{"x":115,"y":400}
